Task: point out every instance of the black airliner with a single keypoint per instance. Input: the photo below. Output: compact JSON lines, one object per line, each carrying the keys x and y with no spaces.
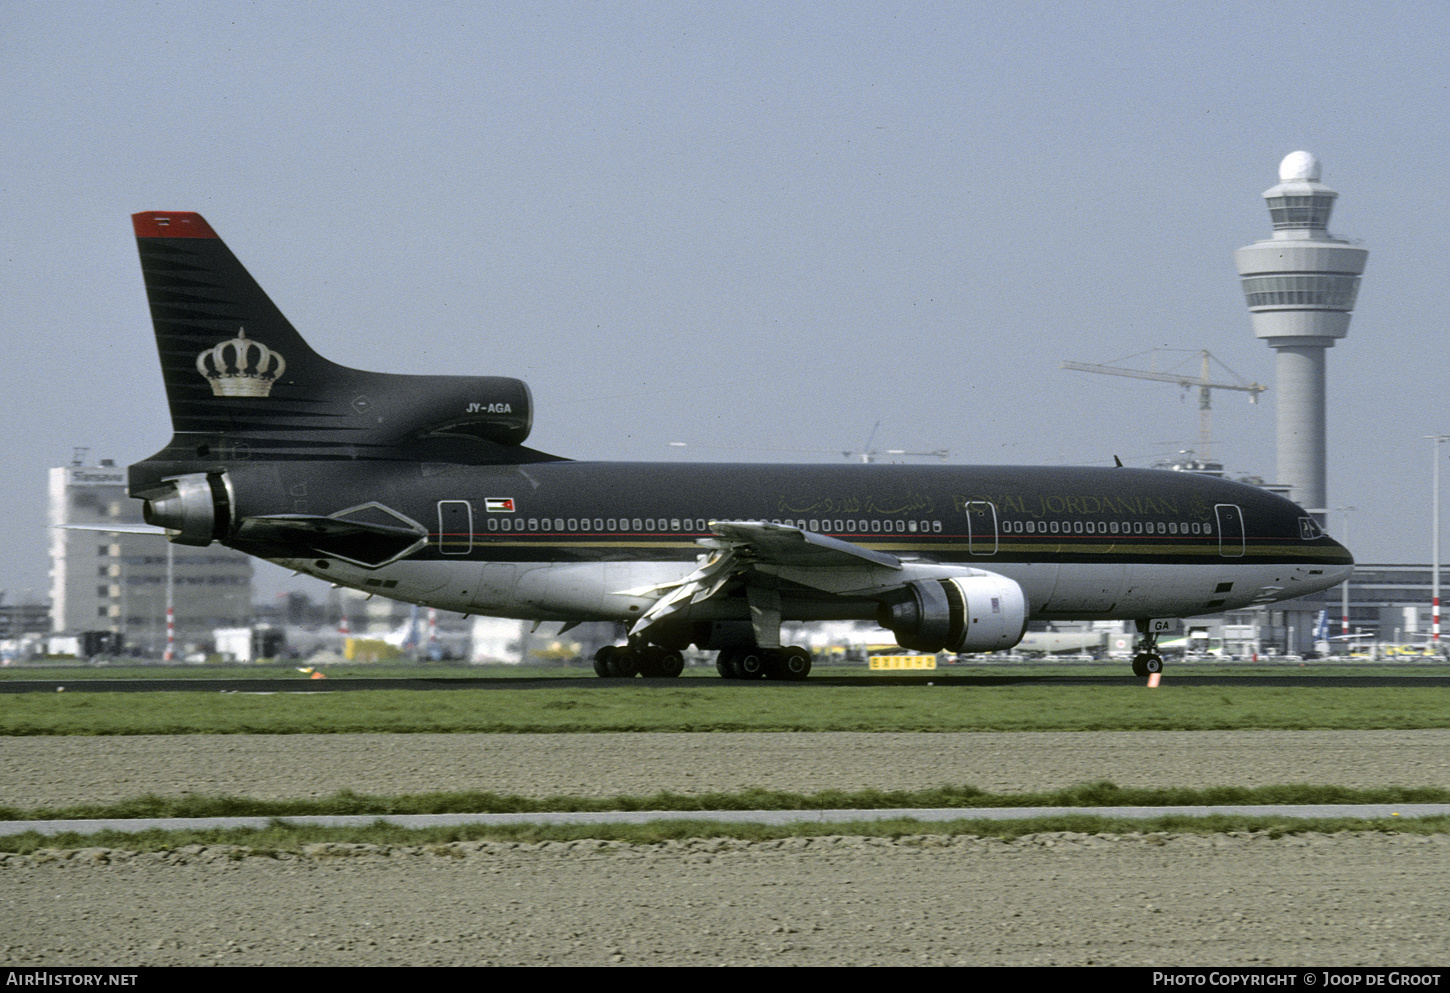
{"x":420,"y":488}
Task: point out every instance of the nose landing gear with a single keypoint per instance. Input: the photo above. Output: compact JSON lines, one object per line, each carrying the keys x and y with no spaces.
{"x":1148,"y":660}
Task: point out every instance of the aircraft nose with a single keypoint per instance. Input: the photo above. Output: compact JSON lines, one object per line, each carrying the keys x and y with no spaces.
{"x":1340,"y":563}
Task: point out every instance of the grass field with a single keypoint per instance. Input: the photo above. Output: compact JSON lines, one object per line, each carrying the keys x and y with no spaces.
{"x":1102,"y":794}
{"x":718,"y":705}
{"x":280,"y":838}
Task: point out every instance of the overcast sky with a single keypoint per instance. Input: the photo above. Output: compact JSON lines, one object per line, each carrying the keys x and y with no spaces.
{"x":758,"y":228}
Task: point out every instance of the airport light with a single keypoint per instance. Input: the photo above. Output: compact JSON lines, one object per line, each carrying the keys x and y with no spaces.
{"x":170,"y":653}
{"x":1435,"y":539}
{"x":1344,"y":590}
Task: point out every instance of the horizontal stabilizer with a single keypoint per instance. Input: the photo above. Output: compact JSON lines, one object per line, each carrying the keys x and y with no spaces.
{"x":115,"y":528}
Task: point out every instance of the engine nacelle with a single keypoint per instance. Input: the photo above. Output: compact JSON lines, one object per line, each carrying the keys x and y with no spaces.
{"x":984,"y":613}
{"x":195,"y":509}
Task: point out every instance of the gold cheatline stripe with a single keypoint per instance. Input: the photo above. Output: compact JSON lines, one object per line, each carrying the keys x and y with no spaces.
{"x":580,"y":541}
{"x":1115,"y":548}
{"x":1124,"y":548}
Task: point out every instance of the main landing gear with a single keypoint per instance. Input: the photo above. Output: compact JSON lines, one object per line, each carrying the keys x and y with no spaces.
{"x":652,"y":661}
{"x":792,"y":663}
{"x":624,"y":661}
{"x":1147,"y":660}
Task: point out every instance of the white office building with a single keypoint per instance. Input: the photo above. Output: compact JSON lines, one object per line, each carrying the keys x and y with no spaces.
{"x":117,"y":582}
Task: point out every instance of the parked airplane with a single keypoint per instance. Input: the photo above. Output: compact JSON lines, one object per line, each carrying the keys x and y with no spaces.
{"x":420,"y":488}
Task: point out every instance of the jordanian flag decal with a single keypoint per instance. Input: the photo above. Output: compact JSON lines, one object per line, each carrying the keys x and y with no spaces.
{"x":499,"y":505}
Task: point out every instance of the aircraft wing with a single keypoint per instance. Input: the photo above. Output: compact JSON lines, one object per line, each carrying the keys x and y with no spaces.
{"x":785,"y":545}
{"x":774,"y":551}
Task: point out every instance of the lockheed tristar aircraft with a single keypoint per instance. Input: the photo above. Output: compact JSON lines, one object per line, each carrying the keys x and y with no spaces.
{"x":420,"y":488}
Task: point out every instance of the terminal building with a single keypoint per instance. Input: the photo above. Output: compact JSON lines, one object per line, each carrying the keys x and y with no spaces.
{"x":116,"y":583}
{"x":1388,"y":603}
{"x":1387,"y":607}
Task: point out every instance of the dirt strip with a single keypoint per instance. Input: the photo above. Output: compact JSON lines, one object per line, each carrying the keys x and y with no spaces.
{"x":45,"y":771}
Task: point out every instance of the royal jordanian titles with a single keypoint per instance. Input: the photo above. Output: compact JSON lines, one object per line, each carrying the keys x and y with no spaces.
{"x":420,"y":488}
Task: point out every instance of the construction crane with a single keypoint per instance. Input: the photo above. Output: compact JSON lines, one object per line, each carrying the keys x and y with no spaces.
{"x":1204,"y":384}
{"x":869,"y":454}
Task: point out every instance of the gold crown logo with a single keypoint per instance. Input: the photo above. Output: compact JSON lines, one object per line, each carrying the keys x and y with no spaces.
{"x":241,"y":367}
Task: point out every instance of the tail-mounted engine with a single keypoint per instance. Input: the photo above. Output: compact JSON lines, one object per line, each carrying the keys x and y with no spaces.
{"x":195,"y":509}
{"x":982,"y":613}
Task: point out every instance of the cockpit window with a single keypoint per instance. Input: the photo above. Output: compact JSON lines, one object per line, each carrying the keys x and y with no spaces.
{"x":1309,"y":529}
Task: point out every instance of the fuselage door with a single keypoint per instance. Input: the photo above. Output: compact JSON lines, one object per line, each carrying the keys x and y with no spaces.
{"x":982,"y":527}
{"x":455,"y":527}
{"x":1230,"y":530}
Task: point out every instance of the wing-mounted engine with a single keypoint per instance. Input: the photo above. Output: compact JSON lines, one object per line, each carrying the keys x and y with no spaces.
{"x":945,"y":609}
{"x":978,"y":613}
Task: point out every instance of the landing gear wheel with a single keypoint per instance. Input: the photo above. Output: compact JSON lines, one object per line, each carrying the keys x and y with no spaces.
{"x":649,"y":659}
{"x":616,"y":662}
{"x":752,"y":663}
{"x":659,"y":663}
{"x":743,"y":663}
{"x":625,"y":663}
{"x":671,"y":664}
{"x":1147,"y":663}
{"x":793,"y":663}
{"x":725,"y":663}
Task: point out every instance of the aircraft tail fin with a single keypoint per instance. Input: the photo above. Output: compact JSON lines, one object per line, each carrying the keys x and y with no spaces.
{"x":218,"y":333}
{"x":243,"y":385}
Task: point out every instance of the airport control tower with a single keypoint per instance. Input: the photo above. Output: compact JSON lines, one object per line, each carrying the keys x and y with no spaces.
{"x":1300,"y":286}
